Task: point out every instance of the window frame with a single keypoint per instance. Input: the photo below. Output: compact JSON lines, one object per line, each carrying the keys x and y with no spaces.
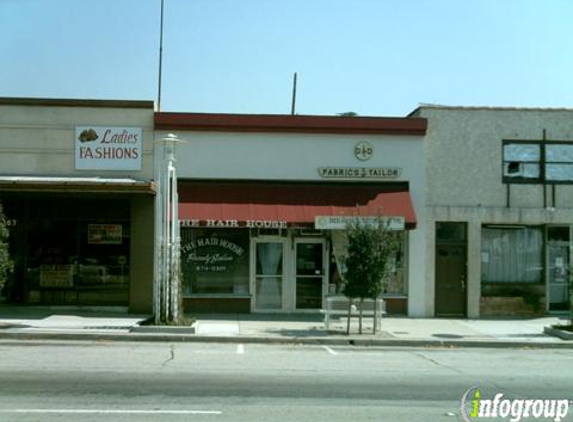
{"x":510,"y":227}
{"x":542,"y":179}
{"x":522,"y":180}
{"x":546,"y":162}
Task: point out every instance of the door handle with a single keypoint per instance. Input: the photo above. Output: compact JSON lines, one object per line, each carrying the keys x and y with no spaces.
{"x":463,"y":283}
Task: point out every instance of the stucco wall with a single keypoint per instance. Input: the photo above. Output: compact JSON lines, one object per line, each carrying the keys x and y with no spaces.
{"x":464,"y":154}
{"x":142,"y":253}
{"x":464,"y":178}
{"x":39,"y":140}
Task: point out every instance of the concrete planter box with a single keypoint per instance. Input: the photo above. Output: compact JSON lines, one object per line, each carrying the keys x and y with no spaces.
{"x":164,"y":329}
{"x":556,"y":332}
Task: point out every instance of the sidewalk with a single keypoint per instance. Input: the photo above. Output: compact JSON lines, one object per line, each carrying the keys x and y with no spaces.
{"x":18,"y":323}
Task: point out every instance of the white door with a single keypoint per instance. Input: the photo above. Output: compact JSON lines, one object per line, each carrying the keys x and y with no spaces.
{"x":311,"y":273}
{"x":268,"y":275}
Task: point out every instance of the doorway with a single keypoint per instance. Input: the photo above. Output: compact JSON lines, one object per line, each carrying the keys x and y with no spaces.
{"x":310,"y":273}
{"x":268,"y":280}
{"x":558,"y":257}
{"x":451,"y":269}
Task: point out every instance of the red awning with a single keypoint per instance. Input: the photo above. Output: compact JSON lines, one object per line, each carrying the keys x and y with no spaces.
{"x":294,"y":203}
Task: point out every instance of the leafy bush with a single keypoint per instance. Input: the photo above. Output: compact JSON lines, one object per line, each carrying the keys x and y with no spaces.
{"x":370,"y":248}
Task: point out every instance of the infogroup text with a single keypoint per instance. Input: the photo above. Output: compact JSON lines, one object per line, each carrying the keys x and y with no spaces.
{"x":475,"y":407}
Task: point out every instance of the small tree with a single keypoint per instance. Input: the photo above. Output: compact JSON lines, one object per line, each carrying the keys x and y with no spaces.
{"x":370,"y":247}
{"x":6,"y":263}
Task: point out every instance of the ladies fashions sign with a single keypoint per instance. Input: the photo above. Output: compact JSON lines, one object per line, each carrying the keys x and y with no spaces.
{"x":108,"y":148}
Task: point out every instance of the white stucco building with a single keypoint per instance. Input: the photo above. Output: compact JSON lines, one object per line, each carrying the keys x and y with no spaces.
{"x":256,"y":194}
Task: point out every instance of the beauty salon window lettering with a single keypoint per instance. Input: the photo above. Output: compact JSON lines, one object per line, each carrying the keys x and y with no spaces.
{"x":215,"y":261}
{"x":211,"y":254}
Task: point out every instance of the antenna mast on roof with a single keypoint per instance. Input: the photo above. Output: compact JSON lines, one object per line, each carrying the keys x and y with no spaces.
{"x":293,"y":104}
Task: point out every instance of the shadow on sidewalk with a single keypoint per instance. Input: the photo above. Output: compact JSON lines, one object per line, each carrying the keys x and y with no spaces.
{"x":33,"y":312}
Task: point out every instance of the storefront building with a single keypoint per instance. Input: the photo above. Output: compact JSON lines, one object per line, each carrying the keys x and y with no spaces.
{"x":77,"y":191}
{"x":263,"y":201}
{"x":499,"y":209}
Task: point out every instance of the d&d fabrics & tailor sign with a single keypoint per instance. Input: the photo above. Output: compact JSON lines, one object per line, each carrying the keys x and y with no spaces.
{"x":359,"y":172}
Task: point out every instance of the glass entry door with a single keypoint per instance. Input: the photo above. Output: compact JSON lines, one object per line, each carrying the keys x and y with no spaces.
{"x":310,"y":274}
{"x":558,"y":255}
{"x":269,"y":275}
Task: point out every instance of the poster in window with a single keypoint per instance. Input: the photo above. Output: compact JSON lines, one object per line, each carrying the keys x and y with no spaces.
{"x":56,"y":276}
{"x":104,"y":234}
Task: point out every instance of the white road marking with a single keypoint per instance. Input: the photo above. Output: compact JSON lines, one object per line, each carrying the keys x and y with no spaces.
{"x":329,"y":350}
{"x":114,"y":412}
{"x":240,"y":349}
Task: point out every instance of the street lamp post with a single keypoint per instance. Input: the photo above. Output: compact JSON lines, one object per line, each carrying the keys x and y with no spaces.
{"x":167,"y":289}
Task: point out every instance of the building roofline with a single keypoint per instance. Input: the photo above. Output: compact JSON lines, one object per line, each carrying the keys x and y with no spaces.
{"x":485,"y":108}
{"x":289,"y":123}
{"x":67,"y":102}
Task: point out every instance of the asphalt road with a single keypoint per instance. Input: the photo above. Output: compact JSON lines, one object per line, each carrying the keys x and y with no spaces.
{"x":106,"y":381}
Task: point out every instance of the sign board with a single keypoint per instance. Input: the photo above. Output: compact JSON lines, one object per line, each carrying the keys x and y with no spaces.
{"x":340,"y":222}
{"x":251,"y":224}
{"x":359,"y":172}
{"x":108,"y":148}
{"x":104,"y":234}
{"x":363,"y":151}
{"x":56,"y":276}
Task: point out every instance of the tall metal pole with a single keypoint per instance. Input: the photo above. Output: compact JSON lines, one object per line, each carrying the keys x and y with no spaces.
{"x":169,"y":278}
{"x":175,"y":241}
{"x":167,"y":235}
{"x":158,"y":284}
{"x":160,"y":58}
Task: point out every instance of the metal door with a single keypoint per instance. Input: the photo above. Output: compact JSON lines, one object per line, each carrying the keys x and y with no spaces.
{"x":558,"y":254}
{"x":310,"y":274}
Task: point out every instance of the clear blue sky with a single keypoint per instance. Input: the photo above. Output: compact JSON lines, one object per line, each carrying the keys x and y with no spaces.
{"x":373,"y":57}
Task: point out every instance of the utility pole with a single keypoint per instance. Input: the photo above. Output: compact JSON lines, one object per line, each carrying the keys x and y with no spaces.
{"x":160,"y":57}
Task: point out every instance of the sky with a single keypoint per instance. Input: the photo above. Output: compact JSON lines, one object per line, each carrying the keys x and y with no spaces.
{"x":371,"y":57}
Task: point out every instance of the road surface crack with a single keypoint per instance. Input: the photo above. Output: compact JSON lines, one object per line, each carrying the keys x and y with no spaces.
{"x":435,"y":362}
{"x":171,"y":356}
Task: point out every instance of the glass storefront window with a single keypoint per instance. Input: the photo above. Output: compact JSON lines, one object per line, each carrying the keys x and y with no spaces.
{"x":69,"y":250}
{"x":512,"y":254}
{"x":215,"y":261}
{"x":397,"y":283}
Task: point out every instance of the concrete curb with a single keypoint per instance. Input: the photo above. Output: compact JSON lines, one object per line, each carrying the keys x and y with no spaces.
{"x":152,"y":329}
{"x":351,"y":341}
{"x":555,"y":332}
